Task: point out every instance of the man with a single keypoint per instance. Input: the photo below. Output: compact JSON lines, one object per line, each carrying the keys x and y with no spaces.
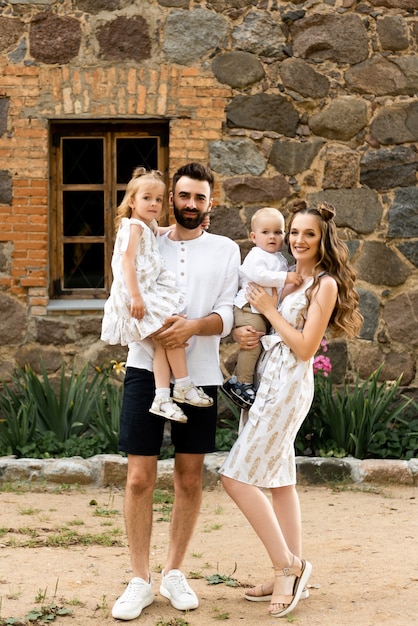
{"x":206,"y":269}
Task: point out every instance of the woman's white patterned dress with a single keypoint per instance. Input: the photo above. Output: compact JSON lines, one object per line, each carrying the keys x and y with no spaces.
{"x":263,"y":455}
{"x":157,"y":286}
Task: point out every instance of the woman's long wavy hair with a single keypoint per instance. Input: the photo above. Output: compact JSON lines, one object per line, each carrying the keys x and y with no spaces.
{"x":334,"y":259}
{"x":139,"y":175}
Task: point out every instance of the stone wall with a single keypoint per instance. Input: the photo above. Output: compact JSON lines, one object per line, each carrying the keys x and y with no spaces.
{"x":285,"y":100}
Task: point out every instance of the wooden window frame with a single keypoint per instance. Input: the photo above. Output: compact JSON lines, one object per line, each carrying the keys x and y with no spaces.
{"x":110,"y":131}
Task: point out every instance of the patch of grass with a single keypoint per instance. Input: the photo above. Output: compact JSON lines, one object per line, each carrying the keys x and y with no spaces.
{"x":161,"y":496}
{"x":209,"y":529}
{"x":103,"y":512}
{"x":174,"y":621}
{"x":31,"y":532}
{"x":218,"y":614}
{"x":75,"y":602}
{"x":164,"y":504}
{"x":29,"y":511}
{"x":195,"y":575}
{"x":13,"y":595}
{"x":64,"y":537}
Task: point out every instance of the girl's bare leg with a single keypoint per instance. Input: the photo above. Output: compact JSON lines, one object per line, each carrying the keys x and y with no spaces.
{"x":176,"y":359}
{"x":161,"y":367}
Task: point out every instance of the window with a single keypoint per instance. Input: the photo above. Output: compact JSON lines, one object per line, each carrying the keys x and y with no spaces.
{"x":90,"y":167}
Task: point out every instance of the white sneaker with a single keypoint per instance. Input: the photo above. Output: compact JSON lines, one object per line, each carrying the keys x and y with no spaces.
{"x":137,"y":595}
{"x":175,"y":587}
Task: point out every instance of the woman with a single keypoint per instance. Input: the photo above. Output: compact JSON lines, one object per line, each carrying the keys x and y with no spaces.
{"x":263,"y":455}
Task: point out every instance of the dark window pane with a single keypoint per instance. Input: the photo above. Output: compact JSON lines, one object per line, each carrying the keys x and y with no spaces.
{"x":119,"y":195}
{"x":83,"y":266}
{"x":82,"y":161}
{"x":132,"y":153}
{"x":83,"y":213}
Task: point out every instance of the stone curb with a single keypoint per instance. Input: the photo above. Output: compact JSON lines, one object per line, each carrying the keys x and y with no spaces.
{"x":110,"y":470}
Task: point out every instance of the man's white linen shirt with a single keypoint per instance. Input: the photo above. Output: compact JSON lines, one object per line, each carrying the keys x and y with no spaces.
{"x":268,"y":269}
{"x":206,"y":270}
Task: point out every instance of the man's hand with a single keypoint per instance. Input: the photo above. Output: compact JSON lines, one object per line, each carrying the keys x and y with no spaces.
{"x":247,"y":337}
{"x":175,"y":333}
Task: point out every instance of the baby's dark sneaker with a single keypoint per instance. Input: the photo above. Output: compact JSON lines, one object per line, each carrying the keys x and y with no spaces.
{"x":242,"y":394}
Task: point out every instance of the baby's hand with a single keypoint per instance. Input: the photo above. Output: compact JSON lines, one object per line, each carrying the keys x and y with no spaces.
{"x":137,"y":307}
{"x":206,"y":222}
{"x":294,"y":278}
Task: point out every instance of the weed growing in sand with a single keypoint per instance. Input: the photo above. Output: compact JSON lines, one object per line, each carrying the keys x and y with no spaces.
{"x":211,"y":527}
{"x":218,"y":614}
{"x":163,"y":504}
{"x":43,"y":615}
{"x":13,"y":594}
{"x":174,"y":621}
{"x":29,"y":511}
{"x":103,"y":607}
{"x":217,"y":579}
{"x":64,"y":537}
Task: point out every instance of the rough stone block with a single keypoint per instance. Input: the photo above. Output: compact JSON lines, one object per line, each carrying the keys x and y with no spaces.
{"x":319,"y":470}
{"x":386,"y":471}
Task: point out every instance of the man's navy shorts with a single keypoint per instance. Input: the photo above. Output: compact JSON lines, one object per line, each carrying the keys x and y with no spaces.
{"x":141,"y":432}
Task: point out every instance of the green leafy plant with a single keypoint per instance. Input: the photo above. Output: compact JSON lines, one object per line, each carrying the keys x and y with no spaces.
{"x":354,"y":418}
{"x":17,"y":421}
{"x":217,"y":579}
{"x":68,"y":411}
{"x":76,"y":415}
{"x":106,"y":418}
{"x":358,"y":408}
{"x":227,"y":427}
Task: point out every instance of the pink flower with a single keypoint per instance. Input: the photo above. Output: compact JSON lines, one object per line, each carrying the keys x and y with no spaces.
{"x":322,"y":364}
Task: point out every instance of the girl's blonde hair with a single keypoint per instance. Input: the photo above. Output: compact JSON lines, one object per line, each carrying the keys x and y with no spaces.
{"x":139,"y":175}
{"x":334,"y":259}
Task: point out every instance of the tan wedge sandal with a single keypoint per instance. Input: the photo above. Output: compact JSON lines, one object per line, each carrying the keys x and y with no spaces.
{"x":301,"y":574}
{"x":259,"y":594}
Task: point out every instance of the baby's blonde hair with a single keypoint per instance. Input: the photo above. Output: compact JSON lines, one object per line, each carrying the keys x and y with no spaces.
{"x":139,"y":175}
{"x":266,"y":212}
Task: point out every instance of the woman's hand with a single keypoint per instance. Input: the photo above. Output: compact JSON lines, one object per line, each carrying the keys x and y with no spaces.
{"x":261,"y":300}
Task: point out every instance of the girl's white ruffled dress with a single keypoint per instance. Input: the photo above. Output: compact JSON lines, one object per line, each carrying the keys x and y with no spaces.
{"x":263,"y":455}
{"x":157,"y":286}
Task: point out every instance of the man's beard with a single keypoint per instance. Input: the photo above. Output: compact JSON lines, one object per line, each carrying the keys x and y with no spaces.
{"x":188,"y":222}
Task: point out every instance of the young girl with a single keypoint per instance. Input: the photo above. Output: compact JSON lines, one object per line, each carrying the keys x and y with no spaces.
{"x":263,"y":455}
{"x":144,"y":294}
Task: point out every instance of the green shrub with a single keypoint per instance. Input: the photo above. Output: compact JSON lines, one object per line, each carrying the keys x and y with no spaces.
{"x":362,"y":419}
{"x":228,"y":421}
{"x":80,"y":417}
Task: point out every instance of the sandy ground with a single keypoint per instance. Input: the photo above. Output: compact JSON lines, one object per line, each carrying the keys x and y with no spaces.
{"x":362,"y":542}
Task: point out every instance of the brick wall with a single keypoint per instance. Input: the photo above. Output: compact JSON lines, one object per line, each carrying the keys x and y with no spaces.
{"x":202,"y":66}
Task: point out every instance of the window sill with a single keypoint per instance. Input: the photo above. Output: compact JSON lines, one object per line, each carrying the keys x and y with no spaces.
{"x":62,"y":306}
